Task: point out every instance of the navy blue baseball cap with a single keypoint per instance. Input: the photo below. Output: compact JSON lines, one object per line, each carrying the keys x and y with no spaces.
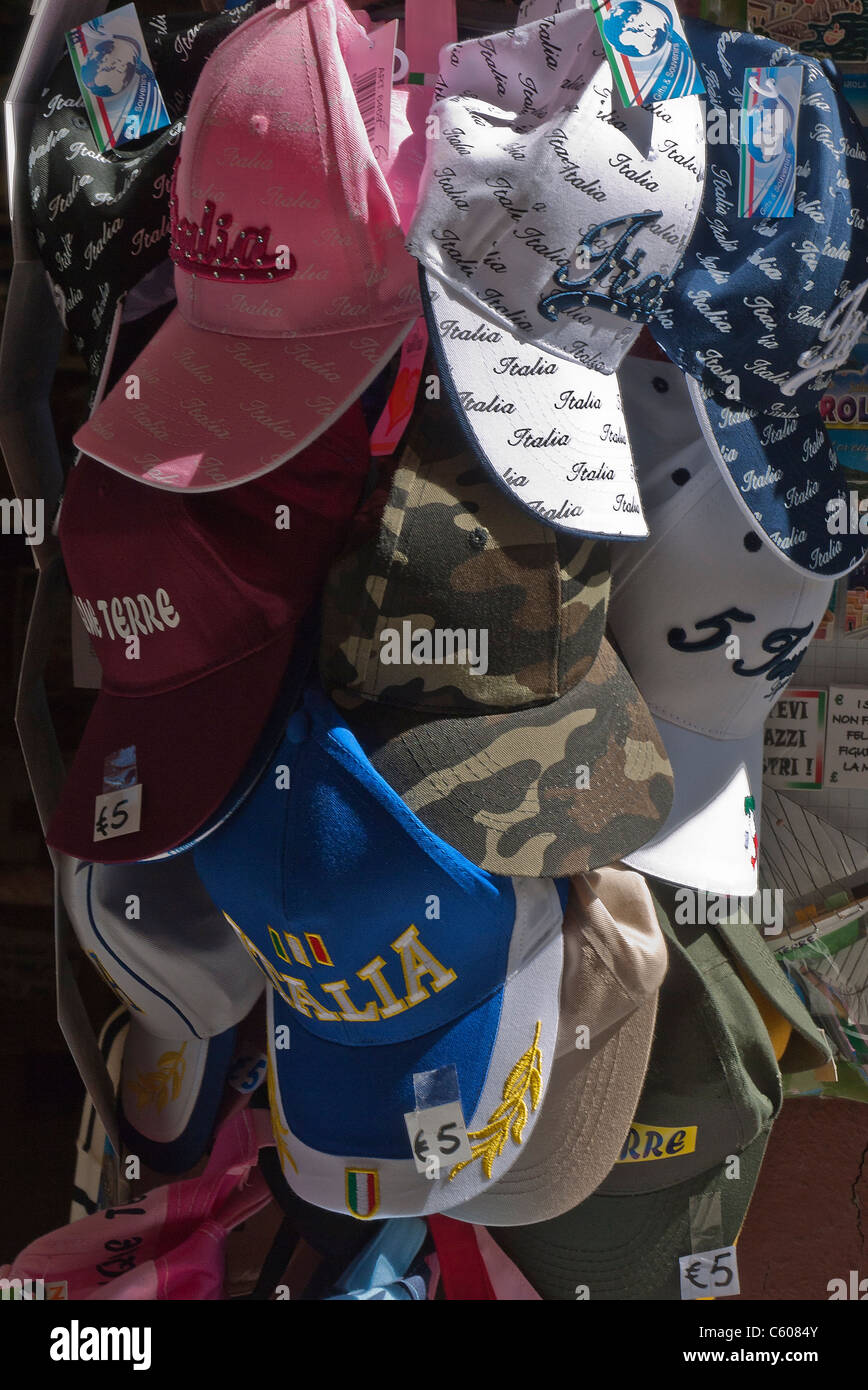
{"x":407,"y":979}
{"x":761,"y":312}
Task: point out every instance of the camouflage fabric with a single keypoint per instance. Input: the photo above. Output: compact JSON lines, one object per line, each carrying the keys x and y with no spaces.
{"x":491,"y":760}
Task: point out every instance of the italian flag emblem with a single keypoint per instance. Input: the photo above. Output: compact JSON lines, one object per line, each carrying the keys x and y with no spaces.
{"x":363,"y":1192}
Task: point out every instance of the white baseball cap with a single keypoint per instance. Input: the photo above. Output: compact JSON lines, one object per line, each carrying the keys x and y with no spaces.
{"x":159,"y":943}
{"x":711,"y":623}
{"x":550,"y":220}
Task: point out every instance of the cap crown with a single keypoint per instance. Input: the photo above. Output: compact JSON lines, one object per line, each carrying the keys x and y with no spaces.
{"x":763,"y":311}
{"x":556,"y":211}
{"x":453,"y":554}
{"x":203,"y":581}
{"x":282,"y":221}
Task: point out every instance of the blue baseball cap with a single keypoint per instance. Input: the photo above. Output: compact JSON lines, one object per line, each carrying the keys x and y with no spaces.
{"x":406,"y":979}
{"x":761,"y":312}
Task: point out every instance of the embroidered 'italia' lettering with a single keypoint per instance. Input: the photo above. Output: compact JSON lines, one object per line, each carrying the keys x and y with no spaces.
{"x":417,"y":964}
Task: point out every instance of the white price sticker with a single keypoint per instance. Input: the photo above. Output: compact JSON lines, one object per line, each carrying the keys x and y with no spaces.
{"x":438,"y":1138}
{"x":710,"y":1274}
{"x":117,"y":813}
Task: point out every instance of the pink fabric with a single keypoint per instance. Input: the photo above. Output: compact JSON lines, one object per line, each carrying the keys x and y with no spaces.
{"x":169,"y":1245}
{"x":294,"y":286}
{"x":506,"y":1278}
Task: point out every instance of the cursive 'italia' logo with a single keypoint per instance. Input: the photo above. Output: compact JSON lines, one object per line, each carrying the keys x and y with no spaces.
{"x":205,"y":248}
{"x":612,"y":282}
{"x":840,"y":331}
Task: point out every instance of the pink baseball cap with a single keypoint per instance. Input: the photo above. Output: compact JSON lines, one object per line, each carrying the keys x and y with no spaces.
{"x":294,"y":286}
{"x":200,"y":612}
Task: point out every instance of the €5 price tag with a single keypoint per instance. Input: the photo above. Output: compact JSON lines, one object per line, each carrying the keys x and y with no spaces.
{"x":117,"y":812}
{"x":709,"y":1274}
{"x":439,"y":1133}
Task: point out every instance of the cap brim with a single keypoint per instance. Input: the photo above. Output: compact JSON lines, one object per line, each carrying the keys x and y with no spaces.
{"x":554,"y":790}
{"x":170,"y":1092}
{"x":213,"y":410}
{"x":707,"y":841}
{"x":549,"y":431}
{"x":191,"y":744}
{"x":586,"y":1116}
{"x":628,"y":1248}
{"x":783,"y":470}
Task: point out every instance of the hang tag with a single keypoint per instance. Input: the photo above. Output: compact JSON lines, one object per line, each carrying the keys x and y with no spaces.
{"x":389,"y":429}
{"x":709,"y":1274}
{"x":438,"y":1138}
{"x":647,"y":51}
{"x":371,"y":66}
{"x":118,"y":811}
{"x":248,"y":1072}
{"x":768,"y":140}
{"x":436,"y":1129}
{"x":116,"y":78}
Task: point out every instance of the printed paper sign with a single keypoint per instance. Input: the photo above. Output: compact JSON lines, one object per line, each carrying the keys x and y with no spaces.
{"x":769,"y":140}
{"x":847,"y":737}
{"x":438,"y":1138}
{"x":649,"y":56}
{"x":118,"y":813}
{"x":832,"y":28}
{"x":844,"y":409}
{"x":116,"y":78}
{"x":710,"y":1274}
{"x":794,"y":741}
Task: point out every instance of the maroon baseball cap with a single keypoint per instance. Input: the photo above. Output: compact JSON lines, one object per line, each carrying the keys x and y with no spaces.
{"x":193,"y":604}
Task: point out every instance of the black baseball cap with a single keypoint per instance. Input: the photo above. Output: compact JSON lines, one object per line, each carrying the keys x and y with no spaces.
{"x":101,"y":220}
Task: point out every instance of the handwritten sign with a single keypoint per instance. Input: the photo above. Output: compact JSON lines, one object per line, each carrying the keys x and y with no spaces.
{"x":847,"y":740}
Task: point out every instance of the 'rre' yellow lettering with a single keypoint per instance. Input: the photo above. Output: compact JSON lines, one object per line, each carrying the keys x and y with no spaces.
{"x":644,"y":1143}
{"x":416,"y":961}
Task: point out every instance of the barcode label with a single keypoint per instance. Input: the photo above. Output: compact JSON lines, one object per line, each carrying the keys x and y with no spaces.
{"x":370,"y":62}
{"x":366,"y":96}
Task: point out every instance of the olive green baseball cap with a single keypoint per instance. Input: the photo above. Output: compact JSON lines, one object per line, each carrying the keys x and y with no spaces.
{"x":464,"y":643}
{"x":712,"y":1091}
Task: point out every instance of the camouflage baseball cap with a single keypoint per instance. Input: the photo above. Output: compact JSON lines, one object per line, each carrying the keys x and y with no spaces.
{"x":464,"y":643}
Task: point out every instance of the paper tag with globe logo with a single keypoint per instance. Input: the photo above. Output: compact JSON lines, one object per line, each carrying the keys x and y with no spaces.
{"x":768,"y":139}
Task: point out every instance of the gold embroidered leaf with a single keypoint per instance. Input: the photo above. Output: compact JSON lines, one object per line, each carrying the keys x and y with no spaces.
{"x":535,"y":1086}
{"x":510,"y":1117}
{"x":519,"y":1120}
